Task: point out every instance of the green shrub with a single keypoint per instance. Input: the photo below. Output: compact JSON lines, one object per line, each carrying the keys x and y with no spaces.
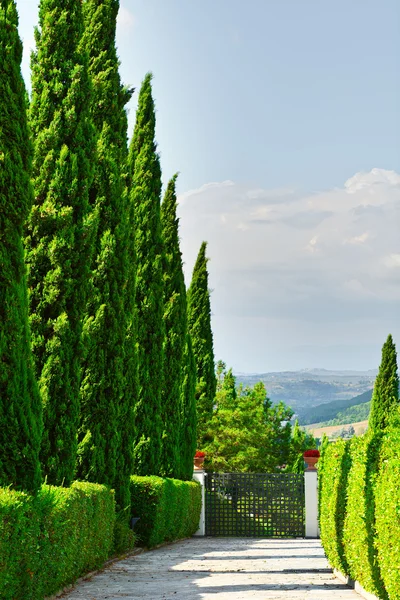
{"x":48,"y":541}
{"x":359,"y":527}
{"x":169,"y":509}
{"x":334,"y":467}
{"x":387,"y":512}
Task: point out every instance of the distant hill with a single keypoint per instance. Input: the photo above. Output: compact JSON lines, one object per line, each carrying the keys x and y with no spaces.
{"x":319,"y":429}
{"x":305,"y":390}
{"x":339,"y":412}
{"x":353,"y":414}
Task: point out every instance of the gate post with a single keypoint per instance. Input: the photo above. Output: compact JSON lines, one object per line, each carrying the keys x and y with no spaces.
{"x":199,"y":475}
{"x":311,"y":497}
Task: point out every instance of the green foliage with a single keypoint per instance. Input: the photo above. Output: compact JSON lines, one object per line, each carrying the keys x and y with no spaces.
{"x":385,"y":397}
{"x":145,"y":177}
{"x":387,"y":513}
{"x":49,"y":540}
{"x":340,"y":410}
{"x":245,"y":433}
{"x":20,"y":404}
{"x":61,"y":226}
{"x":333,"y":469}
{"x":353,"y":414}
{"x":175,"y":322}
{"x":199,"y":319}
{"x":359,"y":509}
{"x":106,"y":419}
{"x":169,"y":509}
{"x":359,"y":526}
{"x":299,"y":442}
{"x":188,"y":439}
{"x":345,"y":432}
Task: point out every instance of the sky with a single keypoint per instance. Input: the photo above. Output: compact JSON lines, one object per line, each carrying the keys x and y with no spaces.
{"x":283,"y":120}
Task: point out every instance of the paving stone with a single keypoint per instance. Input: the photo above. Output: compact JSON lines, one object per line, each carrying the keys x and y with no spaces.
{"x":220,"y":568}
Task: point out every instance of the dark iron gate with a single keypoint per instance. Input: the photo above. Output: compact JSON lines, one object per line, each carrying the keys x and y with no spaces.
{"x":254,"y":505}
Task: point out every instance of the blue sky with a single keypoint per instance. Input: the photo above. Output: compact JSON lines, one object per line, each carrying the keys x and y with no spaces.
{"x":283,"y":120}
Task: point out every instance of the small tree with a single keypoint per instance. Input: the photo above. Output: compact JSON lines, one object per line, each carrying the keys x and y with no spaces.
{"x":145,"y":178}
{"x":385,"y":397}
{"x":246,"y":433}
{"x":199,"y":318}
{"x":20,"y":404}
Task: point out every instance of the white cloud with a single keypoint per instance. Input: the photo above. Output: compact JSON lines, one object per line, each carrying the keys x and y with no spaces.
{"x":362,"y":181}
{"x":312,"y":244}
{"x":392,"y":261}
{"x":126,"y":19}
{"x":359,"y":239}
{"x":322,"y":261}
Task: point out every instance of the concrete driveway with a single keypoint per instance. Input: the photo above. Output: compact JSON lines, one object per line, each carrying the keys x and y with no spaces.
{"x":220,"y":568}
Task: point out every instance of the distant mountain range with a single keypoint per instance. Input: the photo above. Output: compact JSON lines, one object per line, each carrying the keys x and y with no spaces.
{"x":310,"y":390}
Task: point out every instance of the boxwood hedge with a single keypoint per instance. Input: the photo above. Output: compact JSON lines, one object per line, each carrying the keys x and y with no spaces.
{"x":359,"y":527}
{"x":169,"y":509}
{"x":48,"y":541}
{"x":333,"y":468}
{"x":359,"y":498}
{"x":387,"y":512}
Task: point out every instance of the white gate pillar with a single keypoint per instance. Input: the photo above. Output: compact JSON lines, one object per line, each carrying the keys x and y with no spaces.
{"x":199,"y":475}
{"x":311,"y":495}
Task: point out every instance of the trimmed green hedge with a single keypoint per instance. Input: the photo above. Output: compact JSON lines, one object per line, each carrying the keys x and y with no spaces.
{"x":359,"y":498}
{"x":333,"y":469}
{"x":387,"y":512}
{"x":48,"y":541}
{"x":169,"y":509}
{"x":359,"y":528}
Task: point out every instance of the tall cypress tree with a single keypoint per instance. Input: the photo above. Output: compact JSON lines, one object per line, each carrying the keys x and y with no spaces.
{"x":175,"y":321}
{"x":20,"y":404}
{"x":106,"y":423}
{"x":199,"y":318}
{"x":188,"y":425}
{"x":385,"y":396}
{"x":145,"y":175}
{"x":61,"y":225}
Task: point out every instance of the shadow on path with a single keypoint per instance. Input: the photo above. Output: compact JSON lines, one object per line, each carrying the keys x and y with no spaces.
{"x":219,"y":568}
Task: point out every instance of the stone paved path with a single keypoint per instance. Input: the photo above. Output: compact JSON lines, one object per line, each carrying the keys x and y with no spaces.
{"x":220,"y":569}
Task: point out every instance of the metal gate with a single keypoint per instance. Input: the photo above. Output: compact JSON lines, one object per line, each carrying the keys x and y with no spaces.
{"x":254,"y":505}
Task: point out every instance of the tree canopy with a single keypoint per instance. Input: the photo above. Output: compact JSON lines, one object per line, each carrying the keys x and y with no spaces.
{"x":246,"y":432}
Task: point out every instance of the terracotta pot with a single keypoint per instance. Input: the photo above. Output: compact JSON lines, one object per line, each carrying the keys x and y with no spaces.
{"x":198,"y":463}
{"x":311,"y":462}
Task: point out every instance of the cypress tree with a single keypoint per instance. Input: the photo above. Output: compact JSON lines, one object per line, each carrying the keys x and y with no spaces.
{"x":199,"y":319}
{"x":20,"y":404}
{"x":145,"y":175}
{"x":175,"y":321}
{"x":61,"y":226}
{"x":385,"y":396}
{"x":188,"y":427}
{"x":106,"y":422}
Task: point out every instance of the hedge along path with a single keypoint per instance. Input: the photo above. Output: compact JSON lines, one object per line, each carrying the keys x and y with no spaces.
{"x":227,"y":568}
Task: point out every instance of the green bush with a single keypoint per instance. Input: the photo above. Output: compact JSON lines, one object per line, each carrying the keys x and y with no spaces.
{"x":169,"y":509}
{"x":48,"y":541}
{"x":387,"y":512}
{"x":359,"y":527}
{"x":334,"y":467}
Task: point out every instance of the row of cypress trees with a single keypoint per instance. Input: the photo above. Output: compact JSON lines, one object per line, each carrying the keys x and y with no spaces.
{"x":103,"y":380}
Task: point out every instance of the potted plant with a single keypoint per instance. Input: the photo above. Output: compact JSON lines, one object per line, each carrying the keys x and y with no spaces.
{"x":311,"y":458}
{"x":199,"y":460}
